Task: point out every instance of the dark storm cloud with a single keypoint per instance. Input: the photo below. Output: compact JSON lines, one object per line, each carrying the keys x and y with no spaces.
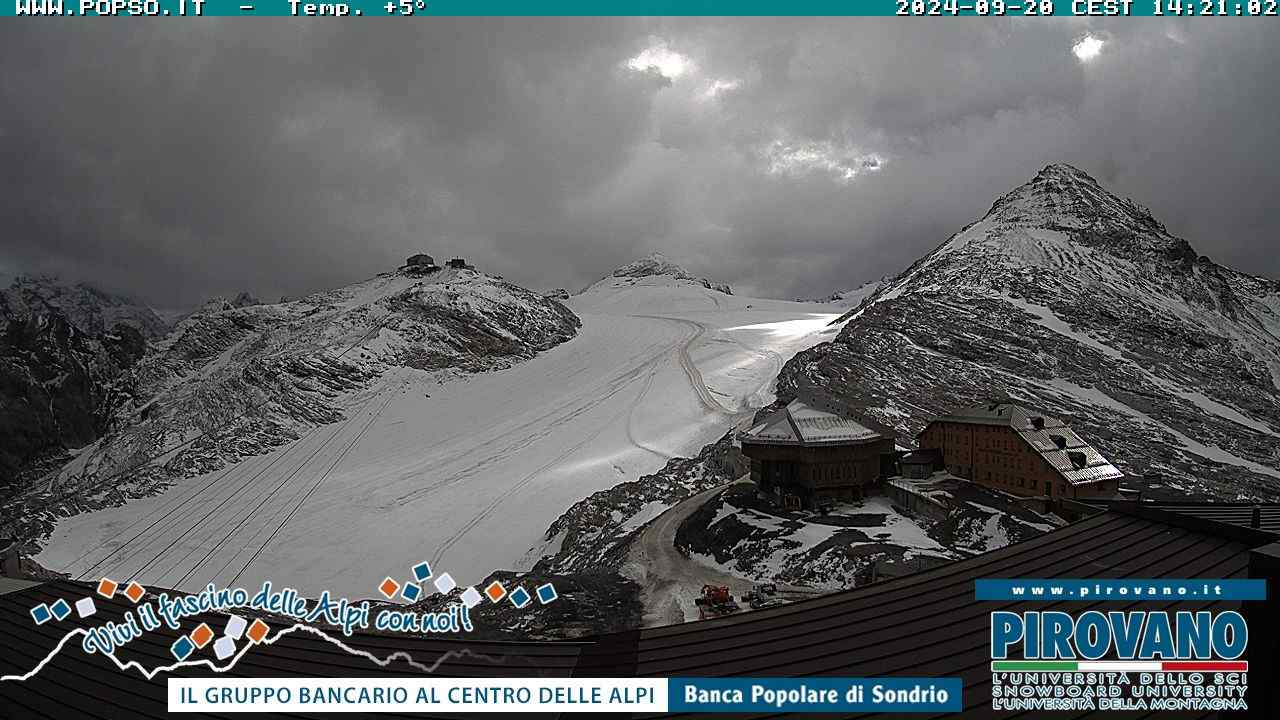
{"x":789,"y":157}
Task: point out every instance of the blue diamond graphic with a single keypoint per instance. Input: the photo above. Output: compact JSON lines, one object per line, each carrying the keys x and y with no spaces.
{"x":60,"y":609}
{"x":421,"y":572}
{"x":520,"y":597}
{"x":182,"y":648}
{"x":41,"y":614}
{"x":547,"y":593}
{"x":411,"y":591}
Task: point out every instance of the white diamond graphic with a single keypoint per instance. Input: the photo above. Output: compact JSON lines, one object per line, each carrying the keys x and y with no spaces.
{"x":86,"y":607}
{"x":445,"y":583}
{"x":224,"y":648}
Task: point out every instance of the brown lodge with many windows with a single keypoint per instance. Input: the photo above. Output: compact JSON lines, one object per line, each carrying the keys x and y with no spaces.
{"x":807,"y":457}
{"x":1010,"y":448}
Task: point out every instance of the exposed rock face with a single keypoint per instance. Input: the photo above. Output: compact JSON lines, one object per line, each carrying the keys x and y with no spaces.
{"x":58,"y":387}
{"x":236,"y":380}
{"x":1071,"y":299}
{"x":657,"y":264}
{"x":63,"y":371}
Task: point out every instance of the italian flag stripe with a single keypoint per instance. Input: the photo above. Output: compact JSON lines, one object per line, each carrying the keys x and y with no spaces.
{"x":1118,"y":666}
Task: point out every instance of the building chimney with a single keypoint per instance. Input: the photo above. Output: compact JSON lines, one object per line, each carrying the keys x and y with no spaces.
{"x":1037,"y":422}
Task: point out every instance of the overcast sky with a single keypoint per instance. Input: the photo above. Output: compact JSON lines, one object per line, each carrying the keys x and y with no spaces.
{"x":178,"y":161}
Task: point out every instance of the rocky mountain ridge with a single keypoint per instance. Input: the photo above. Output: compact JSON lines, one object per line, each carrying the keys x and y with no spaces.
{"x":89,"y":309}
{"x":233,"y":380}
{"x":1069,"y":298}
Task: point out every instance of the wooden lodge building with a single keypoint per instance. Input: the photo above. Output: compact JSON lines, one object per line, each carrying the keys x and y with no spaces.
{"x":805,"y":457}
{"x":1010,"y":448}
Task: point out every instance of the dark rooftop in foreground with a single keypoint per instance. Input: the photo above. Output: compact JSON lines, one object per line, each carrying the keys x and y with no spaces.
{"x":926,"y":624}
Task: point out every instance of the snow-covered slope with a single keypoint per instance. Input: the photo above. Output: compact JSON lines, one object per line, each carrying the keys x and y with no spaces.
{"x":1068,"y":297}
{"x":401,"y":457}
{"x":235,"y":378}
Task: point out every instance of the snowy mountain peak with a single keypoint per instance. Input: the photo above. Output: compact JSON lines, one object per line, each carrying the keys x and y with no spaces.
{"x":1064,"y":197}
{"x":1063,"y":170}
{"x":219,"y":303}
{"x":1061,"y":231}
{"x":656,"y":266}
{"x":1065,"y":296}
{"x":87,"y":308}
{"x":653,"y":264}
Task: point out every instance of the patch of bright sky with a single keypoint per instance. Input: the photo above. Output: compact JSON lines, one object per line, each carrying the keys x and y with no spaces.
{"x":781,"y":157}
{"x":1087,"y":48}
{"x":669,"y":63}
{"x":843,"y":164}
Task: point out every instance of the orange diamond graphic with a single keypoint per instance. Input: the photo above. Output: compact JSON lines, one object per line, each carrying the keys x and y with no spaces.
{"x":202,"y":635}
{"x":495,"y":591}
{"x":257,"y":631}
{"x":107,"y":588}
{"x":388,"y":588}
{"x":134,"y":592}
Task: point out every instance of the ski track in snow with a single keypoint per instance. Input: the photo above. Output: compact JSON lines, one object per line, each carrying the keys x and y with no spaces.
{"x":468,"y":473}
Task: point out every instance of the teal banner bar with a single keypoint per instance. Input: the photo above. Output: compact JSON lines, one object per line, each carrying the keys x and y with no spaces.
{"x":44,"y":9}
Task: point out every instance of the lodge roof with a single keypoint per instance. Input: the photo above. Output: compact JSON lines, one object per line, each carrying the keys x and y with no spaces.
{"x":920,"y":625}
{"x":922,"y":456}
{"x":802,"y":424}
{"x":1074,"y":459}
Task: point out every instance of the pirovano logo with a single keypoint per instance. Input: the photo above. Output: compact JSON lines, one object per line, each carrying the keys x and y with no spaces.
{"x":1120,"y":660}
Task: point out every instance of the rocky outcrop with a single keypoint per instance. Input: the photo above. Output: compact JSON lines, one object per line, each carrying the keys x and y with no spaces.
{"x":58,"y":388}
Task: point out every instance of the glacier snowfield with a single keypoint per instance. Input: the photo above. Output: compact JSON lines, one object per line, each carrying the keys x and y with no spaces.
{"x":469,"y":472}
